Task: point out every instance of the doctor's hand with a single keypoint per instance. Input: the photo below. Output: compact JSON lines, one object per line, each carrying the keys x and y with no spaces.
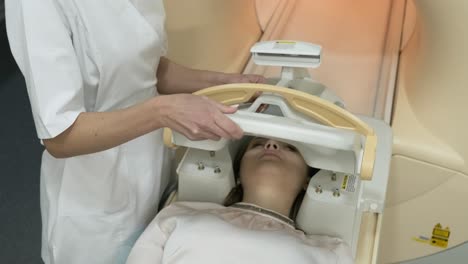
{"x":242,"y":78}
{"x":198,"y":117}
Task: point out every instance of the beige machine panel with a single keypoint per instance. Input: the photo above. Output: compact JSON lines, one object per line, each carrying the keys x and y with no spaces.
{"x":420,"y":196}
{"x":357,"y":39}
{"x":428,"y":182}
{"x":353,"y":36}
{"x":211,"y":34}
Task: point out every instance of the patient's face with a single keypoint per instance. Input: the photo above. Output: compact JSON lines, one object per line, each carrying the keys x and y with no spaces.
{"x":272,"y":165}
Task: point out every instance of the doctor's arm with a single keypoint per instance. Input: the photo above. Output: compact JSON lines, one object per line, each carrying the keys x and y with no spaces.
{"x":174,"y":78}
{"x":194,"y":116}
{"x":41,"y":43}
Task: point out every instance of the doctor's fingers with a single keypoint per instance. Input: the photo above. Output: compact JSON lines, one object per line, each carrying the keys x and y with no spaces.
{"x":206,"y":119}
{"x":226,"y":128}
{"x":211,"y":126}
{"x":226,"y":109}
{"x":193,"y":132}
{"x":219,"y":126}
{"x":254,"y":78}
{"x":245,"y":78}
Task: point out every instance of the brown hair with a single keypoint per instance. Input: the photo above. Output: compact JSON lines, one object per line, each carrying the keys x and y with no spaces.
{"x":237,"y":193}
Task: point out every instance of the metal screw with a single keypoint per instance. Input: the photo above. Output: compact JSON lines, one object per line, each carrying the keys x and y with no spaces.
{"x":217,"y":170}
{"x":333,"y":177}
{"x":336,"y":192}
{"x":201,"y":166}
{"x":212,"y":153}
{"x":318,"y":189}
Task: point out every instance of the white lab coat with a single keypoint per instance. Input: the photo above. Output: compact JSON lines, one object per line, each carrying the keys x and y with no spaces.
{"x":208,"y":233}
{"x":91,"y":55}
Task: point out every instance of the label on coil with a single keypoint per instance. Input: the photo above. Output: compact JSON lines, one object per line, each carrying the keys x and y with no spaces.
{"x":349,"y":183}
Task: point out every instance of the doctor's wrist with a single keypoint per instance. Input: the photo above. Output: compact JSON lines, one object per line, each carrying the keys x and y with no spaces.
{"x":160,"y":108}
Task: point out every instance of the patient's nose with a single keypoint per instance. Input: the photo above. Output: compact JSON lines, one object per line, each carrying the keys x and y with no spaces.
{"x":271,"y":144}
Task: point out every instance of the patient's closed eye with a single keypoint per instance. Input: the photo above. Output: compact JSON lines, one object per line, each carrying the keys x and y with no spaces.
{"x":291,"y":148}
{"x":258,"y":143}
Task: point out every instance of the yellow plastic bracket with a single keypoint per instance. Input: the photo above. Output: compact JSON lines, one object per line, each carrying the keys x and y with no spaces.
{"x":314,"y":107}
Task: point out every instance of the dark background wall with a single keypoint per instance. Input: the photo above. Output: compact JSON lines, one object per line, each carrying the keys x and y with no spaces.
{"x":2,"y":10}
{"x":20,"y":153}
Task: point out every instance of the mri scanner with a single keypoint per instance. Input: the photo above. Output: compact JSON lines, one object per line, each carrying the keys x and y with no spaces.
{"x":397,"y":63}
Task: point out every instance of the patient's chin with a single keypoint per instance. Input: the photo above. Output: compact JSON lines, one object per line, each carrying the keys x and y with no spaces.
{"x":269,"y":169}
{"x":268,"y":175}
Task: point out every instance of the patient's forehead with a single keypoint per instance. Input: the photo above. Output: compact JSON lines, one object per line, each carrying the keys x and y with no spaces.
{"x":256,"y":140}
{"x":263,"y":139}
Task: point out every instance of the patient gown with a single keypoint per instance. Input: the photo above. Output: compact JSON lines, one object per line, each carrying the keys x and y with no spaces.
{"x":189,"y":232}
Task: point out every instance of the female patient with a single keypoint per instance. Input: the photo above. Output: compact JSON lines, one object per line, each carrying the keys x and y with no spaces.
{"x":256,"y":226}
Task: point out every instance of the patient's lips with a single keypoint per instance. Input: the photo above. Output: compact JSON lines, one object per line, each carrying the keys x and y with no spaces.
{"x":269,"y":153}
